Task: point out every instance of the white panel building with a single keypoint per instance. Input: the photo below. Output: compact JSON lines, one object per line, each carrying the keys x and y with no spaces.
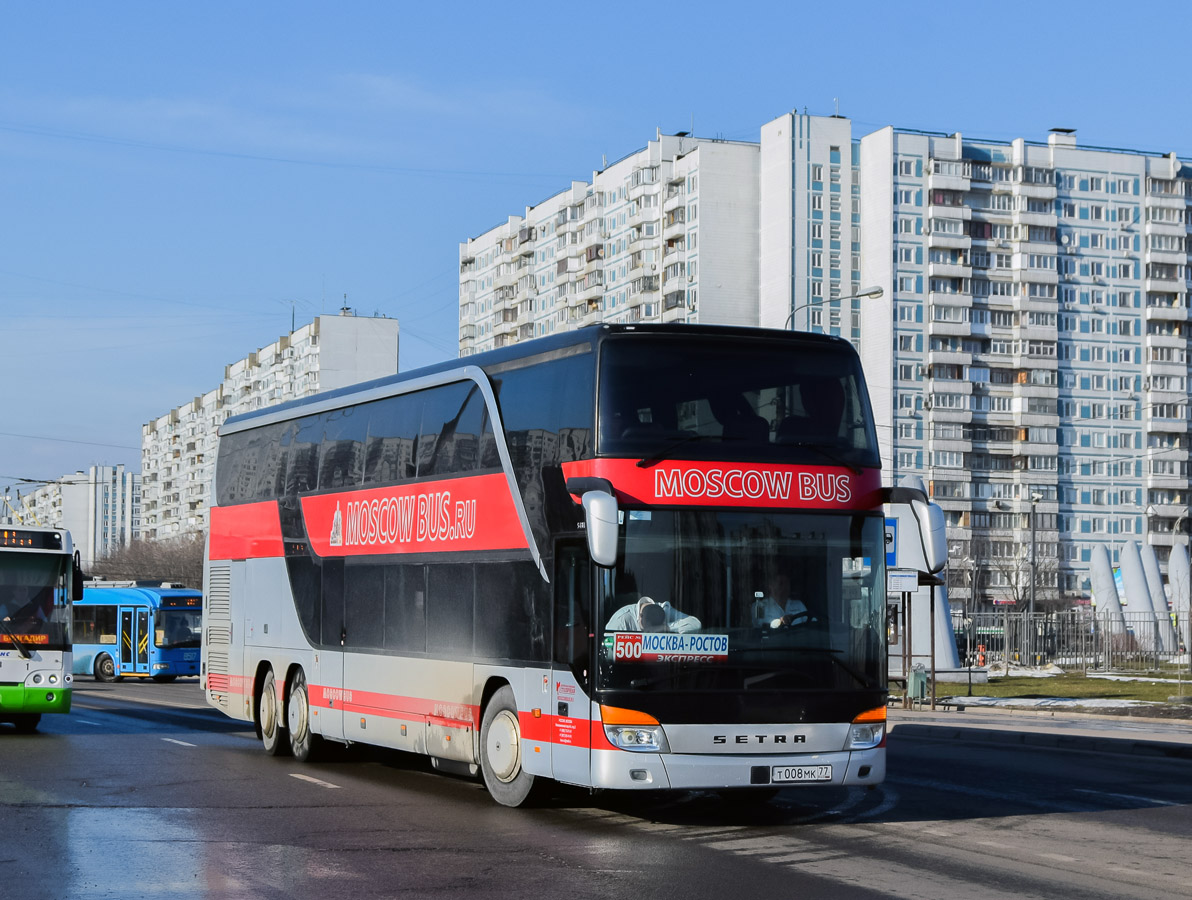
{"x":178,"y":448}
{"x":666,"y":234}
{"x":100,"y":508}
{"x":1028,"y":357}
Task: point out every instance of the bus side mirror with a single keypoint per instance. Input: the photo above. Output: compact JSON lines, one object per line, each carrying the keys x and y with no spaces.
{"x":600,"y":513}
{"x":76,"y":579}
{"x":929,"y":518}
{"x":933,"y":533}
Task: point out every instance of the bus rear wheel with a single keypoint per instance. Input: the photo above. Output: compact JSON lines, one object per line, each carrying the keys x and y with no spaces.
{"x":105,"y":668}
{"x":304,"y":743}
{"x":273,"y":735}
{"x":500,"y":754}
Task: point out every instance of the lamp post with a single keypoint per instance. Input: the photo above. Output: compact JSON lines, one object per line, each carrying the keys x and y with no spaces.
{"x":871,"y":293}
{"x":1035,"y":498}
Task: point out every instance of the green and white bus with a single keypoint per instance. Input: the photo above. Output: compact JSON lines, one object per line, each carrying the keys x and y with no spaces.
{"x":39,"y":577}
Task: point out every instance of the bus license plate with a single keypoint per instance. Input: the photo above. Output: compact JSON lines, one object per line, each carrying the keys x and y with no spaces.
{"x":789,"y":774}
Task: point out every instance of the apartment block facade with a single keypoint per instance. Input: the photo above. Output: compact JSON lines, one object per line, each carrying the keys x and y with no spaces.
{"x":178,"y":448}
{"x":666,"y":234}
{"x":1028,"y":356}
{"x":100,"y":508}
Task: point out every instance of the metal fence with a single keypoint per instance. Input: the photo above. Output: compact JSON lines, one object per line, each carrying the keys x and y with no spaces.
{"x":1074,"y":639}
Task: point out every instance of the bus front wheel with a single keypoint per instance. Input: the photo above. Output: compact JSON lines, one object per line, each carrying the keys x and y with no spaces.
{"x":500,"y":753}
{"x":26,"y":723}
{"x":273,"y":735}
{"x":105,"y":668}
{"x":304,"y":743}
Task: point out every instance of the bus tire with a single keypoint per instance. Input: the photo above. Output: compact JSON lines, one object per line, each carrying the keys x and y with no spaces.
{"x":26,"y":723}
{"x":105,"y":668}
{"x":269,"y":723}
{"x":500,"y":754}
{"x":304,"y":743}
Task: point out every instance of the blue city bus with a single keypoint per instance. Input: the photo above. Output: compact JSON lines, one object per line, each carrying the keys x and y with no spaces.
{"x":128,"y":630}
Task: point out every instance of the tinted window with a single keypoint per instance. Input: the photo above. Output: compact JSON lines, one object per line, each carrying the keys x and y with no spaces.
{"x":364,"y":604}
{"x":450,"y":598}
{"x":405,"y":608}
{"x":770,"y":400}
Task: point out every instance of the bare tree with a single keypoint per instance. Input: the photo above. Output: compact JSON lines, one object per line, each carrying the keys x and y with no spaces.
{"x":178,"y":560}
{"x":1015,"y":581}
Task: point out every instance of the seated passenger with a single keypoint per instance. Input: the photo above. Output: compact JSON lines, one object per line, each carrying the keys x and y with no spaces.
{"x":648,"y":615}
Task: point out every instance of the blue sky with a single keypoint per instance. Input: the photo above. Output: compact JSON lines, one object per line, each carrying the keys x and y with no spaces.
{"x":177,"y":180}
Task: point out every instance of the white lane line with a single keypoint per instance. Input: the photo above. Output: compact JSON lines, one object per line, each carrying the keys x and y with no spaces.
{"x":326,"y":784}
{"x":179,"y":743}
{"x":84,"y":721}
{"x":1059,"y":857}
{"x":1130,"y":797}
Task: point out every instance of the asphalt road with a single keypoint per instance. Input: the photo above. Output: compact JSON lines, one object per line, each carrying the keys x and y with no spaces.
{"x":143,"y":791}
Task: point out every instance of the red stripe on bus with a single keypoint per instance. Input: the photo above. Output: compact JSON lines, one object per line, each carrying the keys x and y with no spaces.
{"x":560,"y":730}
{"x":457,"y":514}
{"x":247,"y":531}
{"x":734,"y":484}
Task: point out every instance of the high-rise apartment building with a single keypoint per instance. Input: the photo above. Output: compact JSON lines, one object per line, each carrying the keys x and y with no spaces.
{"x":100,"y":508}
{"x":1028,"y":356}
{"x":666,"y":234}
{"x":178,"y":448}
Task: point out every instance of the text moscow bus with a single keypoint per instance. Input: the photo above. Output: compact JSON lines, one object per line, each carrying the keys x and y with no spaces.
{"x":139,"y":631}
{"x":622,"y":557}
{"x":39,"y":577}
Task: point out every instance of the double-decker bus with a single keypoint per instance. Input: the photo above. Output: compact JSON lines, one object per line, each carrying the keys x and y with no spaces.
{"x":122,"y":629}
{"x":39,"y":577}
{"x":555,"y":561}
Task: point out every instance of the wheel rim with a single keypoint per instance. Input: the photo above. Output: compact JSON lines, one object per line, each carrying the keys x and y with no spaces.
{"x":107,"y":668}
{"x":269,"y":708}
{"x":298,"y":710}
{"x":502,"y":748}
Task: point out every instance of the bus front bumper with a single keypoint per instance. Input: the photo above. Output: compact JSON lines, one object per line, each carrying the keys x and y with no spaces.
{"x":623,"y":770}
{"x":21,"y":698}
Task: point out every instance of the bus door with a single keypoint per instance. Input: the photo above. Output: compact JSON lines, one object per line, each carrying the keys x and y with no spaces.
{"x":134,"y":640}
{"x":326,"y":685}
{"x":571,"y":708}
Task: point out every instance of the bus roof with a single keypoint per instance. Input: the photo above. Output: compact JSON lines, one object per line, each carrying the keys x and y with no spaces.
{"x":591,"y":335}
{"x":98,"y":593}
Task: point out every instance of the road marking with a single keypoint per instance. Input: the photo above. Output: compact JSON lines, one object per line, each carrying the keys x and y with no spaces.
{"x":1059,"y":857}
{"x":179,"y":743}
{"x":325,"y":784}
{"x":85,"y":721}
{"x":1130,"y":797}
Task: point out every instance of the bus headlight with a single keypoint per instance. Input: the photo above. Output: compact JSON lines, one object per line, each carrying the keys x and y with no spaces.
{"x":628,"y":729}
{"x":637,"y":737}
{"x":868,"y":730}
{"x":37,"y":679}
{"x":53,"y":679}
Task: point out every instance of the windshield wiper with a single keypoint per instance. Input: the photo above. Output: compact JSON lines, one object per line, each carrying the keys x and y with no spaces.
{"x":659,"y":455}
{"x":824,"y":452}
{"x":15,"y":640}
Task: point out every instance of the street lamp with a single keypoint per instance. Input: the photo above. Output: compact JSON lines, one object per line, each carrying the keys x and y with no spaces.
{"x":872,"y":293}
{"x":1035,"y":498}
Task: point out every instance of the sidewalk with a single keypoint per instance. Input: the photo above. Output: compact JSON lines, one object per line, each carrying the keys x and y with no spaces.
{"x":1135,"y":735}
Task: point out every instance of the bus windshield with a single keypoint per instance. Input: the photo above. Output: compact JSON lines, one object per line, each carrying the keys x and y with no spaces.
{"x":772,"y":400}
{"x":178,"y":628}
{"x":32,"y":603}
{"x":755,"y":601}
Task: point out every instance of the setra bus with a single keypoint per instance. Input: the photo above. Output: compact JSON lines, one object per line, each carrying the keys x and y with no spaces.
{"x":125,"y":629}
{"x":561,"y":561}
{"x":39,"y":577}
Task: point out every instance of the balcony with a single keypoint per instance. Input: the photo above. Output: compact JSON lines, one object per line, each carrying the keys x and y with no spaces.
{"x":943,"y":240}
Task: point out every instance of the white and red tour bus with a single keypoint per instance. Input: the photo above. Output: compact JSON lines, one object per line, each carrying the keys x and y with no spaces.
{"x":625,"y":557}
